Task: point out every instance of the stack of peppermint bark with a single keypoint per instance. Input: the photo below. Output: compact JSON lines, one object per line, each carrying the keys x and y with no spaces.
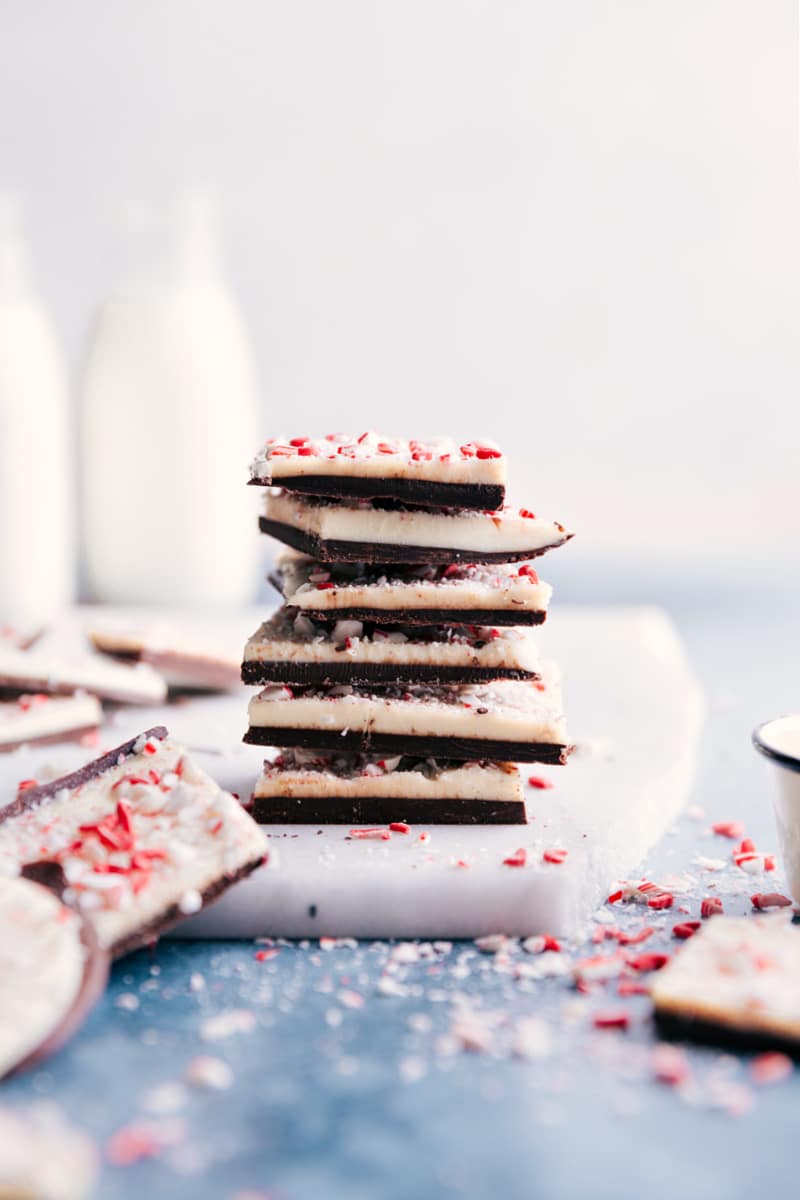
{"x":401,"y":679}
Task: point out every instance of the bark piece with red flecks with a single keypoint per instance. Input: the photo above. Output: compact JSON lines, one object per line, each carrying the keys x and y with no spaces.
{"x":734,"y":981}
{"x":133,"y":841}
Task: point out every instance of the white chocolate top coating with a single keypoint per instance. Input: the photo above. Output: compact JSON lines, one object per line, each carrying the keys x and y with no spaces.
{"x":329,"y":586}
{"x":505,"y":711}
{"x":308,"y":774}
{"x":291,"y":637}
{"x":506,"y":531}
{"x":41,"y":967}
{"x":43,"y":1158}
{"x":379,"y":456}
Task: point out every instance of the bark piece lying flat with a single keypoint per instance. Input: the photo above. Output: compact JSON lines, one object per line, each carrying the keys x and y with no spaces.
{"x":365,"y":532}
{"x":437,"y":471}
{"x":507,"y":721}
{"x":138,"y":838}
{"x":23,"y":673}
{"x":44,"y":1158}
{"x":305,"y":787}
{"x":291,"y":648}
{"x":185,"y":663}
{"x":41,"y":719}
{"x":52,"y":971}
{"x":456,"y":593}
{"x":737,"y":980}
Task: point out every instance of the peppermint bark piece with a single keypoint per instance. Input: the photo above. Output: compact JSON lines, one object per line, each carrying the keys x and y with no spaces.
{"x":40,"y":719}
{"x":340,"y":532}
{"x":291,"y":648}
{"x":308,"y":787}
{"x":138,"y":838}
{"x":52,"y":969}
{"x":507,"y":721}
{"x":23,"y":673}
{"x":42,"y":1157}
{"x":185,"y":663}
{"x":432,"y":472}
{"x":737,"y":980}
{"x":456,"y":593}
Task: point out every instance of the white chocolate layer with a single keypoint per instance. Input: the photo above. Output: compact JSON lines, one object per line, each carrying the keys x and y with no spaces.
{"x":305,"y":775}
{"x":185,"y":835}
{"x":456,"y":529}
{"x":43,"y":1158}
{"x":180,"y":660}
{"x":35,"y":672}
{"x":378,"y":456}
{"x":739,"y":972}
{"x":41,"y":967}
{"x":503,"y":711}
{"x":38,"y":717}
{"x":501,"y":586}
{"x":285,"y":639}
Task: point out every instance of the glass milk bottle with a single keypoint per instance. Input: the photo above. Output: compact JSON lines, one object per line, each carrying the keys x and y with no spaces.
{"x":37,"y":539}
{"x":169,"y":422}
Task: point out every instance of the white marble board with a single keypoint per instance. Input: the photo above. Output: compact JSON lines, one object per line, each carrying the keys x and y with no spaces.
{"x":634,"y":711}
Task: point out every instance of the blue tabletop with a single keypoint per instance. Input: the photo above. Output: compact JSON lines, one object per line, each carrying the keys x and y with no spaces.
{"x":341,"y":1091}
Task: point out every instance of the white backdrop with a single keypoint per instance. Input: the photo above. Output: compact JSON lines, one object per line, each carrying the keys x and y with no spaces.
{"x":571,"y":225}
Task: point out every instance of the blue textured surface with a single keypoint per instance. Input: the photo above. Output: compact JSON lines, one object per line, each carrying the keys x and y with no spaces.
{"x":326,"y":1101}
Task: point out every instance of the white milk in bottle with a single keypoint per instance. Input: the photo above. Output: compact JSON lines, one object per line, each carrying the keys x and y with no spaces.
{"x":37,"y":538}
{"x":169,"y":422}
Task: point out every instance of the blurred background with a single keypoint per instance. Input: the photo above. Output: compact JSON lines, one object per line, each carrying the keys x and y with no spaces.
{"x":572,"y":227}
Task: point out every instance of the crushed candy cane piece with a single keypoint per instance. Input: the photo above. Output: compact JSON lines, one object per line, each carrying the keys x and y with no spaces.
{"x":208,"y":1073}
{"x":729,"y":829}
{"x":670,"y":1064}
{"x":685,"y":930}
{"x":611,"y":1019}
{"x":771,"y":1067}
{"x":763,"y":900}
{"x":648,"y":962}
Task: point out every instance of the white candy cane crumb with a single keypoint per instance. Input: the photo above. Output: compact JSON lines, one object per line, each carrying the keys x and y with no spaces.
{"x":212,"y":1074}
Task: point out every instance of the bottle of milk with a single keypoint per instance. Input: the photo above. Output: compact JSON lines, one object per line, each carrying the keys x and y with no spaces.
{"x":37,"y":538}
{"x":169,"y":421}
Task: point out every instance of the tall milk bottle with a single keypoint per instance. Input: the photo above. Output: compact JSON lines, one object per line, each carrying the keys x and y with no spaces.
{"x":37,"y":531}
{"x":169,"y":422}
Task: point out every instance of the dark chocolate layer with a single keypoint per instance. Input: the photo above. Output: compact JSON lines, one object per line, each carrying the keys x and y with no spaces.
{"x":430,"y":616}
{"x":423,"y":492}
{"x":333,"y":550}
{"x":679,"y":1028}
{"x":380,"y":810}
{"x":372,"y":674}
{"x":464,"y":749}
{"x":34,"y":796}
